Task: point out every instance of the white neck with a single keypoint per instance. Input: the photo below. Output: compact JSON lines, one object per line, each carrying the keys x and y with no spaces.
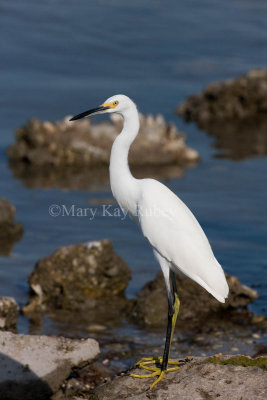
{"x":123,"y":185}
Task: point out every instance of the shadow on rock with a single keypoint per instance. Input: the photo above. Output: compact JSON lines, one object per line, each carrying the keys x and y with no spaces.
{"x":33,"y":367}
{"x":31,"y":387}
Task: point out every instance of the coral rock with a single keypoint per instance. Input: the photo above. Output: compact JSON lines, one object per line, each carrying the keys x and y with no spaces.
{"x":80,"y":144}
{"x":76,"y":275}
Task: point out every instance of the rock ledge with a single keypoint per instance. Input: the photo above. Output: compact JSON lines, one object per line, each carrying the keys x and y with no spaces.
{"x":198,"y":379}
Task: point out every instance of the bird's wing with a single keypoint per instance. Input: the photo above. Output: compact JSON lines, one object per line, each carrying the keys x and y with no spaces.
{"x":174,"y":232}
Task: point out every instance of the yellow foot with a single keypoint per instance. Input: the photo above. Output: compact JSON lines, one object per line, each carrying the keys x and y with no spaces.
{"x":156,"y":370}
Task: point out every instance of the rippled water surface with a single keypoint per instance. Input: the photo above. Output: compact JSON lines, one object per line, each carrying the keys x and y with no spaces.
{"x":61,"y":57}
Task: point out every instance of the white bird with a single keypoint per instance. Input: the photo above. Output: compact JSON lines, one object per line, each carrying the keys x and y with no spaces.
{"x":177,"y":239}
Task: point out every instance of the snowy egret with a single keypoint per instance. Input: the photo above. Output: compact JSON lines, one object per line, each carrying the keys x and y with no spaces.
{"x":177,"y":239}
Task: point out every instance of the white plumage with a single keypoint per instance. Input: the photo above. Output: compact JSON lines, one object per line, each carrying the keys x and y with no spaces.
{"x":177,"y":239}
{"x":175,"y":235}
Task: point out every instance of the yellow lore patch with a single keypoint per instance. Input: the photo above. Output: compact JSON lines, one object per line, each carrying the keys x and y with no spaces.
{"x":111,"y":105}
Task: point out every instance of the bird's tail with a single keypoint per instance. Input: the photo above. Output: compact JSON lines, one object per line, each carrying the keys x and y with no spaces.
{"x":216,"y":283}
{"x":213,"y":280}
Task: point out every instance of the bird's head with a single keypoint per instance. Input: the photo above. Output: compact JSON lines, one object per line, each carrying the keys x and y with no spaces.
{"x":115,"y":104}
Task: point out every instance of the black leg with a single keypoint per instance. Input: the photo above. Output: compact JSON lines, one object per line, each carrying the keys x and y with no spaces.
{"x":168,"y":338}
{"x":145,"y":363}
{"x":171,"y":323}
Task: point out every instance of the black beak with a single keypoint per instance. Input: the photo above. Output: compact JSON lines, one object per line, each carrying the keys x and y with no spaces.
{"x":89,"y":112}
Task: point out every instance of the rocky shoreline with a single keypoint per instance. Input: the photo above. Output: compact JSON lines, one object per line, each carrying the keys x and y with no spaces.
{"x":201,"y":329}
{"x":84,"y":285}
{"x":44,"y":367}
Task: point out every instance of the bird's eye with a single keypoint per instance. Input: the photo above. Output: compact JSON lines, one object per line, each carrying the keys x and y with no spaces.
{"x":115,"y":103}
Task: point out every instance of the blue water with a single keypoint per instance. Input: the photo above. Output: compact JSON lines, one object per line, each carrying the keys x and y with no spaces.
{"x":61,"y":57}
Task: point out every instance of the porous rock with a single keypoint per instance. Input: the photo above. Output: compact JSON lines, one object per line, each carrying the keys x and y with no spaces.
{"x":10,"y":231}
{"x":241,"y":105}
{"x":77,"y":276}
{"x":9,"y":311}
{"x":197,"y":379}
{"x":33,"y":367}
{"x":241,"y":98}
{"x":84,"y":144}
{"x":149,"y":308}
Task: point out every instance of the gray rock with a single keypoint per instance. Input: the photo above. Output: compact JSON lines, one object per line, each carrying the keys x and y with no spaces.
{"x":33,"y":367}
{"x":9,"y":311}
{"x":10,"y":231}
{"x":196,"y":380}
